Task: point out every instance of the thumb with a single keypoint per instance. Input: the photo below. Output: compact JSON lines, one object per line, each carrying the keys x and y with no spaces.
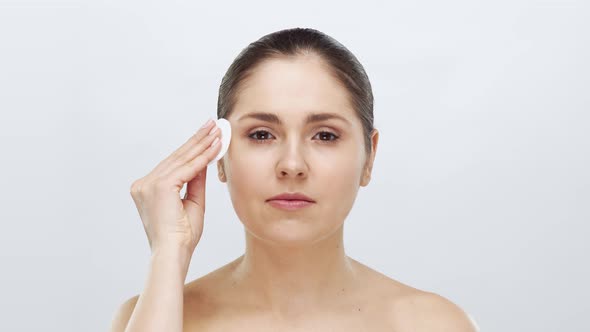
{"x":194,"y":199}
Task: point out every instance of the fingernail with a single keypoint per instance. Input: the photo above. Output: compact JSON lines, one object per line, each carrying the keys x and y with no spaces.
{"x":207,"y":123}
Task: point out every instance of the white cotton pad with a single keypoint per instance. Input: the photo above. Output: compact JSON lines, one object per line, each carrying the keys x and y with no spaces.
{"x":225,"y":128}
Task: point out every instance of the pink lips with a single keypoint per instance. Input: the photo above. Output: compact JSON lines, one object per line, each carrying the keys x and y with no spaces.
{"x":289,"y":204}
{"x":290,"y":201}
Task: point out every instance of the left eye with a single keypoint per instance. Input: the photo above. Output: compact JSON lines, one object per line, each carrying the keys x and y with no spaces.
{"x":327,"y":134}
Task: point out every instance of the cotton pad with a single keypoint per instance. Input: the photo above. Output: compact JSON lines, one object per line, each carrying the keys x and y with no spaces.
{"x":225,"y":128}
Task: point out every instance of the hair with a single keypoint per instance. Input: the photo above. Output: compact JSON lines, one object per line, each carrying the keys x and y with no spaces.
{"x":342,"y":64}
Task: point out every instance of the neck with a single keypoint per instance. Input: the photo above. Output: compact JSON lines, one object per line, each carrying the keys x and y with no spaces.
{"x":296,"y":279}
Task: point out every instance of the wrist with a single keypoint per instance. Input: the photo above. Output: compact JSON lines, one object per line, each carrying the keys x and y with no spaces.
{"x":176,"y":255}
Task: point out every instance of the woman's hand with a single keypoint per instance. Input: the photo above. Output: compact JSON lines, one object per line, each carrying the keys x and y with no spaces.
{"x":169,"y":221}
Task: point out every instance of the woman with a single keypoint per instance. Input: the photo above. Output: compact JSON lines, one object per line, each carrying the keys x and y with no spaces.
{"x":300,"y":107}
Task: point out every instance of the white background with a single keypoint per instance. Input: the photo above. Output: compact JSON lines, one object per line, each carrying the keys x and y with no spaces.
{"x":480,"y":190}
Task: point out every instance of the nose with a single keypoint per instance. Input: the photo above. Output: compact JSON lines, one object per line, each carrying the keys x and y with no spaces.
{"x":291,"y":162}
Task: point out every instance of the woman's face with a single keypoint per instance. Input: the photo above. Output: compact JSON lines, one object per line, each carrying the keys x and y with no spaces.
{"x":323,"y":159}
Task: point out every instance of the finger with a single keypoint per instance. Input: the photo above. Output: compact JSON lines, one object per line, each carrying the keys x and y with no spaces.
{"x":186,"y":172}
{"x":195,"y":194}
{"x":195,"y":151}
{"x":203,"y":132}
{"x":164,"y":166}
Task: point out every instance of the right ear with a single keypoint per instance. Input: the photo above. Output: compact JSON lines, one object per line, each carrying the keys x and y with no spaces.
{"x":221,"y":171}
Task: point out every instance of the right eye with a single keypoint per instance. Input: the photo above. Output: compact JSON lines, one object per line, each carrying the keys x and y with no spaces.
{"x":259,"y":136}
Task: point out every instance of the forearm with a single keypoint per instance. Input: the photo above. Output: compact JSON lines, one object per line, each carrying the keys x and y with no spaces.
{"x":160,"y":305}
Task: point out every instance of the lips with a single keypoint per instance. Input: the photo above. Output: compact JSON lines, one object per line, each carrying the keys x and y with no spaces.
{"x":290,"y":201}
{"x":291,"y":197}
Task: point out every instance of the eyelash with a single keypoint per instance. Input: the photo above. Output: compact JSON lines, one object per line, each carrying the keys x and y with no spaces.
{"x":261,"y":141}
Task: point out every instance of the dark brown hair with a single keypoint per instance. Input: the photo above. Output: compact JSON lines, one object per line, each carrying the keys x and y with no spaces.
{"x":299,"y":41}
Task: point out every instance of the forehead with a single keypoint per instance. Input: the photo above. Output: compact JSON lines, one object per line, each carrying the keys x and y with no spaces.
{"x":292,"y":86}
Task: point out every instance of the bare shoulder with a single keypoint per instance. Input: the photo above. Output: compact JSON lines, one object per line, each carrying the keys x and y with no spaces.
{"x":121,"y":317}
{"x":411,"y":309}
{"x":426,"y":311}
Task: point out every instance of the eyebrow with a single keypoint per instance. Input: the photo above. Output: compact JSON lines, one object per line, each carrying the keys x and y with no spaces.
{"x":311,"y":118}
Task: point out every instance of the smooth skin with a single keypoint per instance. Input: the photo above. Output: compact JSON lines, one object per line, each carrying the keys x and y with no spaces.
{"x":294,"y":274}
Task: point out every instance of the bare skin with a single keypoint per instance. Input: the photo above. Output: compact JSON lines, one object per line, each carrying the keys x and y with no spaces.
{"x":372,"y":302}
{"x":354,"y":307}
{"x":294,"y":274}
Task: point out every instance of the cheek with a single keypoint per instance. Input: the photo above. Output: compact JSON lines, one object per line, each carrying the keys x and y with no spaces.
{"x":339,"y":175}
{"x":245,"y":177}
{"x":245,"y":164}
